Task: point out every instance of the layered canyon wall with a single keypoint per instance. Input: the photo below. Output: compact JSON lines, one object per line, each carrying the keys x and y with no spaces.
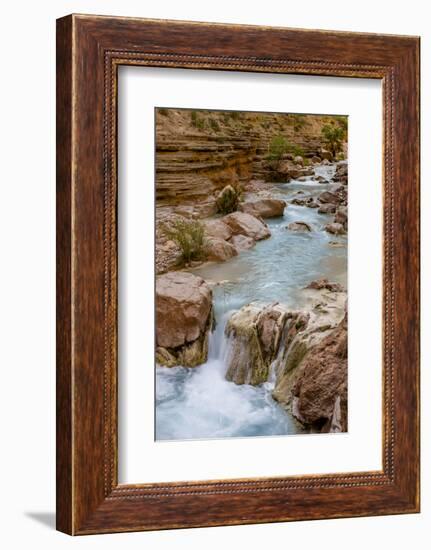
{"x":199,"y":152}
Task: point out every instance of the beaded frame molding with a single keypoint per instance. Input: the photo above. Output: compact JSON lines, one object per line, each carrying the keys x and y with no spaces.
{"x":89,"y":51}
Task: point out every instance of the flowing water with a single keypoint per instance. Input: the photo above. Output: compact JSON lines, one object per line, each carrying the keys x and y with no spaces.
{"x":199,"y":403}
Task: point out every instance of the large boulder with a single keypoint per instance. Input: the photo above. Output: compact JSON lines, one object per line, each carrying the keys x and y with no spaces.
{"x":217,"y":229}
{"x":264,"y":208}
{"x":255,"y":333}
{"x":245,"y":224}
{"x":320,"y":390}
{"x":219,"y":250}
{"x":183,"y":318}
{"x":301,"y":337}
{"x":241,"y":242}
{"x":329,"y":197}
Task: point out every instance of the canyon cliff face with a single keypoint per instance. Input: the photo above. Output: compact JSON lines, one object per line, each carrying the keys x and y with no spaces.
{"x":200,"y":152}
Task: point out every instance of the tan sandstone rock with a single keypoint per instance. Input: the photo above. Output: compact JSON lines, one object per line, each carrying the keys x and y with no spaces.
{"x":335,"y":228}
{"x":183,"y":317}
{"x":246,"y":224}
{"x":299,"y":227}
{"x":219,"y":250}
{"x":320,"y":391}
{"x":264,"y":208}
{"x":218,"y":229}
{"x":255,"y":332}
{"x":241,"y":242}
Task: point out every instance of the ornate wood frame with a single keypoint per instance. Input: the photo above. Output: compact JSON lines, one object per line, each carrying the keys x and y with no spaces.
{"x":89,"y":51}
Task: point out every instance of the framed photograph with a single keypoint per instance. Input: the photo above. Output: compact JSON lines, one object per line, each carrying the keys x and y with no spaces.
{"x":237,"y":274}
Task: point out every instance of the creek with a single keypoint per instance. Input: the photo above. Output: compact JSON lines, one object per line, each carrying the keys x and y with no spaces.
{"x":199,"y":403}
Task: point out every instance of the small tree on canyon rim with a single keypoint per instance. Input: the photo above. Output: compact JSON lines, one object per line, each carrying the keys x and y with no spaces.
{"x":333,"y":137}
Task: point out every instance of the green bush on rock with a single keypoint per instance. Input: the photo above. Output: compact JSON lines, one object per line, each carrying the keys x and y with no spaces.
{"x":189,"y":235}
{"x":228,"y":200}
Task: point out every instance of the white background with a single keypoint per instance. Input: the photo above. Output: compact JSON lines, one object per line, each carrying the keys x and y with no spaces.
{"x":27,"y":290}
{"x":141,"y":458}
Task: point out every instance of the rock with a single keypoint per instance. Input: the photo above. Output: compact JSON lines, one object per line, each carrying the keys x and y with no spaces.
{"x":289,"y":170}
{"x":298,"y":202}
{"x":327,"y":208}
{"x":301,"y":336}
{"x":164,"y":358}
{"x":302,"y":178}
{"x":254,"y":332}
{"x":341,"y":172}
{"x":341,"y":192}
{"x":320,"y":390}
{"x":329,"y":197}
{"x":217,"y":229}
{"x":341,"y":215}
{"x":246,"y":224}
{"x":254,"y":186}
{"x":241,"y":242}
{"x":325,"y":162}
{"x":316,"y":160}
{"x":183,"y":317}
{"x":311,"y":203}
{"x":335,"y":228}
{"x":264,"y":208}
{"x":320,"y":284}
{"x":206,"y":209}
{"x":299,"y":226}
{"x":321,"y":179}
{"x":326,"y":155}
{"x":219,"y":250}
{"x":298,"y":160}
{"x":185,"y":211}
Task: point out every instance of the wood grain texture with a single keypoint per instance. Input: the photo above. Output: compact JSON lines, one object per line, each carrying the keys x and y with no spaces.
{"x":90,"y":49}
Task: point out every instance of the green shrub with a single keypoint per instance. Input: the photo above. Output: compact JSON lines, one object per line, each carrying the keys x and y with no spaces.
{"x":214,"y":124}
{"x":298,"y":122}
{"x":296,"y":150}
{"x":235,"y":115}
{"x":278,"y":146}
{"x":228,"y":200}
{"x":197,"y":122}
{"x":189,"y":235}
